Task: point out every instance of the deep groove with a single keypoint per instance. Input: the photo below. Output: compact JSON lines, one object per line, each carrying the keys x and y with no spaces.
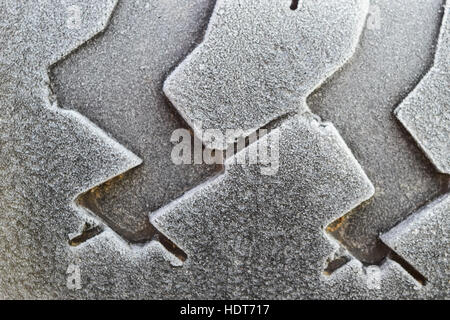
{"x":335,"y":265}
{"x":407,"y":266}
{"x":170,"y":246}
{"x":150,"y":233}
{"x":274,"y":124}
{"x":381,"y":247}
{"x":386,"y":251}
{"x":88,"y":232}
{"x":334,"y":229}
{"x":88,"y":200}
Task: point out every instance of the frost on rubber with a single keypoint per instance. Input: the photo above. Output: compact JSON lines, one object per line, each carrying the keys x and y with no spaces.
{"x":49,"y":156}
{"x":246,"y":234}
{"x":116,"y":80}
{"x":260,"y":59}
{"x":246,"y":227}
{"x":206,"y":88}
{"x":423,"y":239}
{"x":359,"y":100}
{"x":194,"y":99}
{"x":38,"y":36}
{"x":425,"y":113}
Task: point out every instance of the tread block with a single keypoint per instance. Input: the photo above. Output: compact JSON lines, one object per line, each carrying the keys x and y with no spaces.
{"x":260,"y":59}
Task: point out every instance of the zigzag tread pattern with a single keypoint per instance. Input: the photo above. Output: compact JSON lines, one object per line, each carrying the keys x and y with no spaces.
{"x":241,"y":224}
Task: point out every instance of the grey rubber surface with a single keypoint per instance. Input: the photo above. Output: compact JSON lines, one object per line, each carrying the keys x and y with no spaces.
{"x":360,"y":101}
{"x":91,"y":149}
{"x":423,"y":240}
{"x":425,"y":112}
{"x":259,"y":59}
{"x":116,"y":81}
